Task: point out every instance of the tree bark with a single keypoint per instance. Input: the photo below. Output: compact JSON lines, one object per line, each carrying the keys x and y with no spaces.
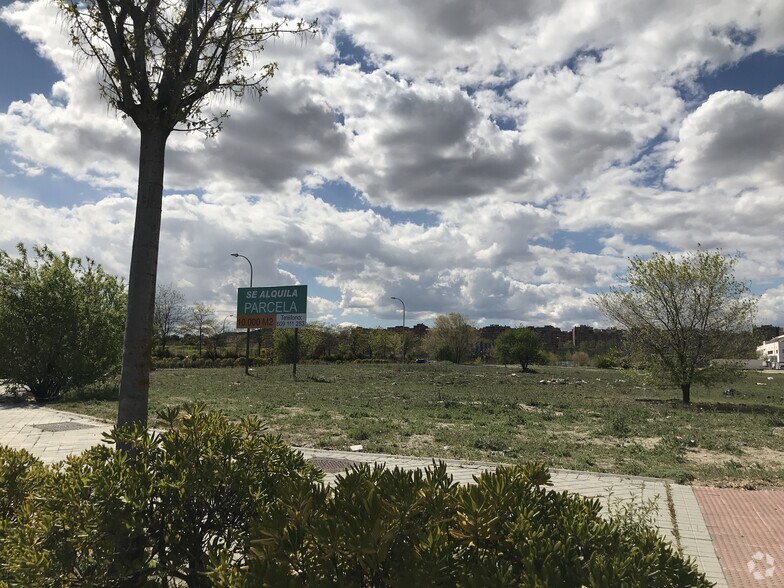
{"x":686,"y":389}
{"x":137,"y":345}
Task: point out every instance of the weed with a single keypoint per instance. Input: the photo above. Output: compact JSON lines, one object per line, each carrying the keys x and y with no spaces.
{"x":634,"y":514}
{"x":618,"y":425}
{"x":359,"y":434}
{"x":490,"y":444}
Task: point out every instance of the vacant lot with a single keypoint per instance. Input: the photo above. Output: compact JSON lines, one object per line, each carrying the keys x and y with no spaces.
{"x":585,"y":419}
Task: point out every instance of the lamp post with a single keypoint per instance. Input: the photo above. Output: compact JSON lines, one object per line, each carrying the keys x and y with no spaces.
{"x":247,"y":340}
{"x":403,"y":353}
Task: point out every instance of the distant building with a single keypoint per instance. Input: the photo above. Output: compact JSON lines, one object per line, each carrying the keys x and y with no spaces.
{"x":420,"y":329}
{"x":491,"y":332}
{"x":582,"y":334}
{"x":552,"y":337}
{"x":772,"y":352}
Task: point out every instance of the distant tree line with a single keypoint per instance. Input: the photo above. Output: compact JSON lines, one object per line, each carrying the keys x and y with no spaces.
{"x":63,"y":322}
{"x":184,"y":333}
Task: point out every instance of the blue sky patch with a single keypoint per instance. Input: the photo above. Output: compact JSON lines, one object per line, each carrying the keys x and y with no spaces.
{"x":758,"y":74}
{"x":27,"y":80}
{"x":349,"y":53}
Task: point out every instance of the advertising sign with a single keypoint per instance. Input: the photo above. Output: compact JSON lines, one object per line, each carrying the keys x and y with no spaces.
{"x":272,"y":307}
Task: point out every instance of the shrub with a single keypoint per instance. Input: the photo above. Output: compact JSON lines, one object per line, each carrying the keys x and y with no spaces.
{"x":161,"y":514}
{"x":62,"y":322}
{"x":580,"y":358}
{"x":380,"y":527}
{"x":603,"y":362}
{"x":21,"y":474}
{"x":213,"y":503}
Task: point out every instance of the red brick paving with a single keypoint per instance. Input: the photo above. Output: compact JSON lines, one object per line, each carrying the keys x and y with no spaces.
{"x":747,"y":529}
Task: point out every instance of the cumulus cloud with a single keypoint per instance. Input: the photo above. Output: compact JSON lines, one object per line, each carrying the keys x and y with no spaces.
{"x":732,"y":139}
{"x":548,"y":142}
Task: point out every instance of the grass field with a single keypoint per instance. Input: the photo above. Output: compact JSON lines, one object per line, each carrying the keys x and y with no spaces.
{"x":584,"y":419}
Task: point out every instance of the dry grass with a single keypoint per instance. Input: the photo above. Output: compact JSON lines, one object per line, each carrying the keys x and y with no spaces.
{"x":586,"y":419}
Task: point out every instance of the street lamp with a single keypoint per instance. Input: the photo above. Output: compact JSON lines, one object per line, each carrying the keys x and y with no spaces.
{"x":403,"y":353}
{"x":247,"y":340}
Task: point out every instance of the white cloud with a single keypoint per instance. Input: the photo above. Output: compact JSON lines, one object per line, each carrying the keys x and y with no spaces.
{"x":550,"y":140}
{"x":733,"y":140}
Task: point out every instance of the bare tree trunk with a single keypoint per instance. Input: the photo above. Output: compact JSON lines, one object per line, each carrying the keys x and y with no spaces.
{"x":686,"y":389}
{"x":137,"y":346}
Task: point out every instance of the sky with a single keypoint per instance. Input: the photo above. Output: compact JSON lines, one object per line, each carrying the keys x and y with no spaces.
{"x":500,"y":159}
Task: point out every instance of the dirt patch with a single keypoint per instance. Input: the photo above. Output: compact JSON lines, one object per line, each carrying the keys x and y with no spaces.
{"x":593,"y":438}
{"x":417,"y":442}
{"x":286,"y":411}
{"x":763,"y":457}
{"x":529,"y":408}
{"x":539,"y":410}
{"x":646,"y":442}
{"x":700,"y":456}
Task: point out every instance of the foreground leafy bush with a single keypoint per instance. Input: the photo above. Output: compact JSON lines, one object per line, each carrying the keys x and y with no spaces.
{"x":381,"y":527}
{"x":184,"y":499}
{"x":213,"y":503}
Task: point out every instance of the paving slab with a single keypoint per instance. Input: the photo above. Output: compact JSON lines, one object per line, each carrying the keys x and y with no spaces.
{"x":51,"y":435}
{"x":747,"y":530}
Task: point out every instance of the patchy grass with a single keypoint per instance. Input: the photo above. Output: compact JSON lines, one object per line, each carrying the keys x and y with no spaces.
{"x":578,"y":418}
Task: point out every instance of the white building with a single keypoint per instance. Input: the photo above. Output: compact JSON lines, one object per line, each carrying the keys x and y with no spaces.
{"x":772,"y":352}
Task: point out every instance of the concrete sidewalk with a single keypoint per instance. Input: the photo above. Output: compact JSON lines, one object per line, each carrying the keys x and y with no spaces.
{"x":51,"y":435}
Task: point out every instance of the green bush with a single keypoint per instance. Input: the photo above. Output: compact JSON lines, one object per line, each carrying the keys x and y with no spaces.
{"x":21,"y":474}
{"x":163,"y":513}
{"x":604,"y":362}
{"x":213,"y":503}
{"x":381,"y":527}
{"x":62,"y":322}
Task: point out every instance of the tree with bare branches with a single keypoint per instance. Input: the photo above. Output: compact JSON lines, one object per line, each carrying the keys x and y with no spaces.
{"x":169,"y":314}
{"x":161,"y":60}
{"x":201,"y":322}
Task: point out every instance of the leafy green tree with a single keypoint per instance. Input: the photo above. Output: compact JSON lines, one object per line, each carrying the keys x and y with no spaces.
{"x":161,"y":60}
{"x":62,"y":322}
{"x":452,"y":338}
{"x":385,"y":344}
{"x":680,"y":314}
{"x":354,"y":343}
{"x":521,"y":345}
{"x":285,"y":350}
{"x":314,"y":341}
{"x":320,"y":341}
